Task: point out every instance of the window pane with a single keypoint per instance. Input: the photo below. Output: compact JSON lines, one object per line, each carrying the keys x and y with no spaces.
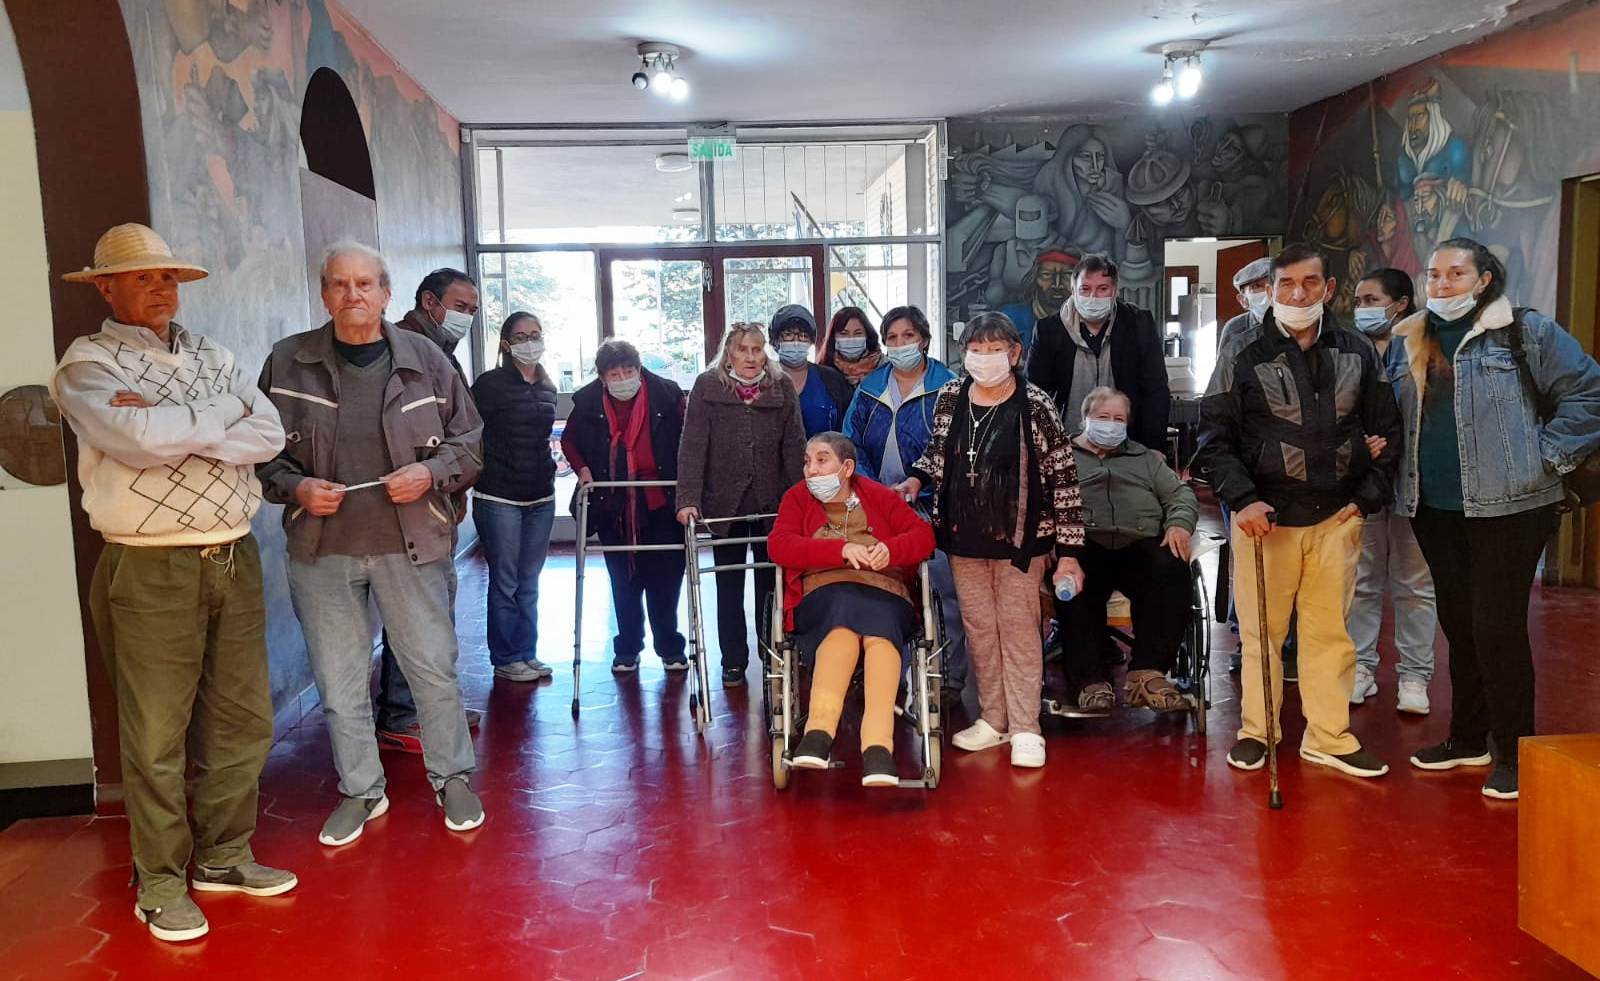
{"x":878,"y":278}
{"x":559,"y":289}
{"x":754,"y":288}
{"x":659,"y":306}
{"x":560,"y":194}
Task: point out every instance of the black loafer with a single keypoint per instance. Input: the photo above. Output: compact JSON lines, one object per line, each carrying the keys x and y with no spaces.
{"x":813,"y":751}
{"x":877,"y":768}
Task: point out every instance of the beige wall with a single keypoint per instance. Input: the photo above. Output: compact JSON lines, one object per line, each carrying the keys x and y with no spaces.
{"x":44,"y":704}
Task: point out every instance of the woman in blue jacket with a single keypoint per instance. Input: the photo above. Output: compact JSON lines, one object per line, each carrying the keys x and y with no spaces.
{"x":890,"y":419}
{"x":1498,"y":404}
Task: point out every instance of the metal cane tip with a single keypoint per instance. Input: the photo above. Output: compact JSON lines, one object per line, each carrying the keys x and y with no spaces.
{"x":1276,"y":802}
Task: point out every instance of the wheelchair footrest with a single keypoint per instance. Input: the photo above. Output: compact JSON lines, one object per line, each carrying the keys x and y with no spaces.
{"x":1067,"y":710}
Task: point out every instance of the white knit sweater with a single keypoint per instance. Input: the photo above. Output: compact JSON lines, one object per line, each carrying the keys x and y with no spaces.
{"x":180,"y":472}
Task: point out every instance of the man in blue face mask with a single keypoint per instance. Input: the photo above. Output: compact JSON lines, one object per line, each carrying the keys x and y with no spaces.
{"x":1096,"y":340}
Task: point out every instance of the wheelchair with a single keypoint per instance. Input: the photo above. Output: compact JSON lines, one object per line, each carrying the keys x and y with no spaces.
{"x":781,"y":656}
{"x":1191,"y":670}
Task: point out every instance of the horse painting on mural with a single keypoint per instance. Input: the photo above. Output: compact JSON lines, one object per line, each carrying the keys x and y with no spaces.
{"x":1520,"y":142}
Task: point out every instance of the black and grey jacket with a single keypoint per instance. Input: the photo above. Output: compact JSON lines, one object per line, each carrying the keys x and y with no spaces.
{"x":1288,"y":427}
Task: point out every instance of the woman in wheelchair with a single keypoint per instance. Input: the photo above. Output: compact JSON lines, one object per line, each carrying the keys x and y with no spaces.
{"x":849,"y":549}
{"x":1138,"y":518}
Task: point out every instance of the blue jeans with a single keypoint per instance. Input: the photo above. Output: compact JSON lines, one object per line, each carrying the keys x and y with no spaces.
{"x":331,"y":598}
{"x":397,"y":708}
{"x":515,"y":540}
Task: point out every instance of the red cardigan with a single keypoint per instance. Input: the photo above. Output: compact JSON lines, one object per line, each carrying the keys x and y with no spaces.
{"x":889,"y":518}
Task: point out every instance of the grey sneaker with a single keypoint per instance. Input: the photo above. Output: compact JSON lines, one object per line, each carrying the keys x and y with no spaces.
{"x":251,"y":877}
{"x":517,"y":671}
{"x":463,"y":811}
{"x":540,"y":668}
{"x":175,"y":922}
{"x":344,"y":825}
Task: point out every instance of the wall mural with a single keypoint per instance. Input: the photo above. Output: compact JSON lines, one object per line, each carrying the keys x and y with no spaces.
{"x":1475,"y":142}
{"x":221,"y":85}
{"x":1026,"y":200}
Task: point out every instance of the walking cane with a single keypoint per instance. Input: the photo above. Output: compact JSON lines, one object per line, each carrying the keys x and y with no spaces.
{"x":1274,"y":796}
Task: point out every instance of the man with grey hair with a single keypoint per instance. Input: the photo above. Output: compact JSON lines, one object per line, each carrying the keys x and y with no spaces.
{"x":1252,"y":284}
{"x":380,"y":430}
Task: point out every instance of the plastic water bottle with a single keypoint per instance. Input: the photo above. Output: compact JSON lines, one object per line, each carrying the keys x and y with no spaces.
{"x":1066,"y":588}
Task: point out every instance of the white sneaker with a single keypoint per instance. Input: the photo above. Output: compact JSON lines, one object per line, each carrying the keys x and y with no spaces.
{"x":517,"y":671}
{"x":980,"y":735}
{"x":1027,"y":749}
{"x":1414,"y":696}
{"x":1365,"y":687}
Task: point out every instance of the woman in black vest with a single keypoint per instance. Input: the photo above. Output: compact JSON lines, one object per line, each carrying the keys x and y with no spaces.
{"x":513,"y":502}
{"x":625,"y":425}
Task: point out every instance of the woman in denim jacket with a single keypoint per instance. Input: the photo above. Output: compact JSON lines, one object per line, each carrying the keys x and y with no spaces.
{"x":1481,"y":480}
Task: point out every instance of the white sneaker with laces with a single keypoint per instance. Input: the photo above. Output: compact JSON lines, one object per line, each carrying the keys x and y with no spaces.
{"x":1365,"y":687}
{"x":1413,"y":696}
{"x":978,"y":736}
{"x":517,"y":671}
{"x":1027,"y":749}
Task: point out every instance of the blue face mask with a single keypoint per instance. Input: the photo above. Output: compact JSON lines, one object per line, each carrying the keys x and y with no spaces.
{"x":1107,"y":434}
{"x":906,"y":357}
{"x":1372,"y":321}
{"x":792,"y":354}
{"x":850,"y":348}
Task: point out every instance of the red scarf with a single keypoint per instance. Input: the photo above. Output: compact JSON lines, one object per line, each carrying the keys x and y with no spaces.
{"x":632,"y":455}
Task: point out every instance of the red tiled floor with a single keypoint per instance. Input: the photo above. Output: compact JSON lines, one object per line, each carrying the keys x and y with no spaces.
{"x":623,"y":845}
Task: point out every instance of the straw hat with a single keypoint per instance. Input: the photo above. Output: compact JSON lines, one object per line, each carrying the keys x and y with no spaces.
{"x":132,"y":248}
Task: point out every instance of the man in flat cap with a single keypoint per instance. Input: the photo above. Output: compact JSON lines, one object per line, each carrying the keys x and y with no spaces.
{"x":169,"y":431}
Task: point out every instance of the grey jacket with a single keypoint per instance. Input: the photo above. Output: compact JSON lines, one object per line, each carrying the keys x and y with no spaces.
{"x":428,"y":418}
{"x":1511,"y":461}
{"x":730,"y":450}
{"x":1131,"y":494}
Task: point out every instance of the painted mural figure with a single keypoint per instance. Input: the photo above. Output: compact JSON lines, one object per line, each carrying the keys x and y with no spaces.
{"x":1236,"y":192}
{"x":1520,"y":143}
{"x":1435,"y":165}
{"x":1048,"y":287}
{"x":1083,"y":181}
{"x":1158,"y":184}
{"x":1012,"y":264}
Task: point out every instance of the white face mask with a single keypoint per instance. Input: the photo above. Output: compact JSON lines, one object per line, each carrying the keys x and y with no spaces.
{"x":528,"y":352}
{"x":625,"y":389}
{"x":906,"y":357}
{"x":987,"y":369}
{"x":455,"y":324}
{"x":1296,"y":318}
{"x":1258,"y":304}
{"x":734,"y":374}
{"x":1108,"y":434}
{"x":824,"y":488}
{"x":1448,"y":308}
{"x":1093,"y":308}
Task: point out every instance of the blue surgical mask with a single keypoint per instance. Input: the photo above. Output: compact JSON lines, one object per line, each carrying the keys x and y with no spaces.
{"x":1108,"y":434}
{"x":906,"y":357}
{"x":1372,"y":321}
{"x":792,"y":354}
{"x":850,"y":348}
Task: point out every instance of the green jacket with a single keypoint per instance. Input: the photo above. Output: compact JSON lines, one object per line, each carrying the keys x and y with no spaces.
{"x":1131,"y":494}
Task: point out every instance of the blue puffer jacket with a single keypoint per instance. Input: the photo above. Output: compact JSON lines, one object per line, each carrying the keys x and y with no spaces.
{"x":1511,"y":460}
{"x":869,"y":419}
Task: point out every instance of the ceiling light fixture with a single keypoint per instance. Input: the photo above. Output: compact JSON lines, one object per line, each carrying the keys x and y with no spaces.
{"x":673,"y":163}
{"x":658,"y":71}
{"x":1184,"y":83}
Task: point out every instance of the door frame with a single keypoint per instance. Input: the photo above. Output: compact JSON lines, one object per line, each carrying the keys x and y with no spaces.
{"x":711,"y":258}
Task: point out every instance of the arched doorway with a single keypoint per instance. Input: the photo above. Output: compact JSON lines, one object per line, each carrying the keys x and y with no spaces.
{"x":338,"y":197}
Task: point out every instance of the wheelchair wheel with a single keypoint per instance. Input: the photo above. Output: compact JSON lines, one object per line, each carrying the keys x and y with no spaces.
{"x":1199,"y":644}
{"x":780,"y":771}
{"x":934,"y":763}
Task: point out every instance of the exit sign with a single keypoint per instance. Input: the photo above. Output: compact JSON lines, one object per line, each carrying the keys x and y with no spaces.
{"x":705,"y":149}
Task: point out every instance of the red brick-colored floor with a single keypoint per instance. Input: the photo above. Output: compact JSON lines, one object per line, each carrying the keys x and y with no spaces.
{"x":627,"y":846}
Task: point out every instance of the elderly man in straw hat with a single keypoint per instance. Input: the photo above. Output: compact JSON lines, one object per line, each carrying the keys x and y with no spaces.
{"x":168,"y":432}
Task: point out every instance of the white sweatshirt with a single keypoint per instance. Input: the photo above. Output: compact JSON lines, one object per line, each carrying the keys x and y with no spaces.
{"x":180,"y":472}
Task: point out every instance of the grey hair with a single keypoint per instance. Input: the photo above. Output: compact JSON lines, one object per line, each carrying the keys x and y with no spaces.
{"x":1092,"y":401}
{"x":993,"y":326}
{"x":348,"y":246}
{"x":725,"y":352}
{"x":838,"y":442}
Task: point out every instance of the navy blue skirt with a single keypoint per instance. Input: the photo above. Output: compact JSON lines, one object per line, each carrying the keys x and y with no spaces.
{"x":867,"y":610}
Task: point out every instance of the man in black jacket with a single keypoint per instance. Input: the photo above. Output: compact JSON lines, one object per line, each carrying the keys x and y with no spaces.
{"x":1283,"y":441}
{"x":1096,"y":341}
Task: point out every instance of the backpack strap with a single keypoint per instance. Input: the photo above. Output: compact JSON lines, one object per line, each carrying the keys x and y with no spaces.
{"x":1541,"y":403}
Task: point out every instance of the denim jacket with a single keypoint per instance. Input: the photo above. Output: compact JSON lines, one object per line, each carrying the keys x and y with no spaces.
{"x":1510,"y":460}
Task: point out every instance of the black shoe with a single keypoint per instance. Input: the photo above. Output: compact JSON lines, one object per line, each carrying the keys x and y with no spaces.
{"x":672,"y":665}
{"x":1450,"y":754}
{"x":1291,"y":668}
{"x":1502,"y":782}
{"x":1248,"y":754}
{"x":733,"y":677}
{"x":1358,"y":764}
{"x":625,"y":665}
{"x":813,"y":751}
{"x":877,"y":768}
{"x":1235,"y":662}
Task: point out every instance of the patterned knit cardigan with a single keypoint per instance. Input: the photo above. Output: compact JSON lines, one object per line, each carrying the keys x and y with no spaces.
{"x":1062,"y":516}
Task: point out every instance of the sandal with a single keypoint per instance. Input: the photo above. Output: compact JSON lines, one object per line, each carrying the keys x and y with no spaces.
{"x":1097,"y":697}
{"x":1153,"y":690}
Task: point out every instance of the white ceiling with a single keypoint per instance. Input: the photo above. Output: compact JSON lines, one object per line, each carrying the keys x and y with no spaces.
{"x":568,"y":61}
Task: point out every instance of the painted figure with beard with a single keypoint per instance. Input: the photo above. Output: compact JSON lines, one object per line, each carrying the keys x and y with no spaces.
{"x":1520,"y":144}
{"x":1012,"y":264}
{"x":1435,"y":165}
{"x":1046,"y":291}
{"x":1158,"y":184}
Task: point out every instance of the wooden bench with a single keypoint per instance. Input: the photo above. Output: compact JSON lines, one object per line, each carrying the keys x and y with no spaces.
{"x":1558,"y":845}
